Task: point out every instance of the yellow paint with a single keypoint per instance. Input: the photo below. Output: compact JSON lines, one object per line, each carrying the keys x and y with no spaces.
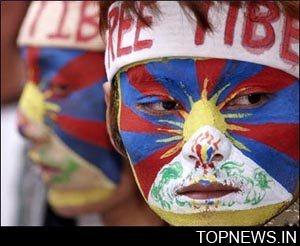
{"x":249,"y":217}
{"x":204,"y":152}
{"x":58,"y":198}
{"x":210,"y":177}
{"x":203,"y":113}
{"x":229,"y":98}
{"x":32,"y":103}
{"x":173,"y":150}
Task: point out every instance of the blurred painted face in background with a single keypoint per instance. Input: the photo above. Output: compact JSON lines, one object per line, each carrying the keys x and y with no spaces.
{"x":211,"y":141}
{"x":62,"y":112}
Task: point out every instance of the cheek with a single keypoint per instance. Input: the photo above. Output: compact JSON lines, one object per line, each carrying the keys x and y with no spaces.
{"x":146,"y":145}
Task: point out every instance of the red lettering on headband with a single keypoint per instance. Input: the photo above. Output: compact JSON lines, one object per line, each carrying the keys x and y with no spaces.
{"x":146,"y":43}
{"x":86,"y":20}
{"x":290,"y":35}
{"x":112,"y":23}
{"x":230,"y":24}
{"x":59,"y":32}
{"x":38,"y":15}
{"x":125,"y":25}
{"x":255,"y":18}
{"x":200,"y":33}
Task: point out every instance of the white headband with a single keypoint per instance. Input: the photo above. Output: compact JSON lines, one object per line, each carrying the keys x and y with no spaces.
{"x":265,"y":36}
{"x":65,"y":24}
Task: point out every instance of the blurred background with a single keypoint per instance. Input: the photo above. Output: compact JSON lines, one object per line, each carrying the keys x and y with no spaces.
{"x":22,"y":192}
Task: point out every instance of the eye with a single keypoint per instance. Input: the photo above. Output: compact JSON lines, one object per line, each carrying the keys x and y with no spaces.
{"x":248,"y":101}
{"x":60,"y":90}
{"x":160,"y":108}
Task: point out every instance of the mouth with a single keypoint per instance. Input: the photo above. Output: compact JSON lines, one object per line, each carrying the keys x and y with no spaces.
{"x":206,"y":191}
{"x":49,"y":169}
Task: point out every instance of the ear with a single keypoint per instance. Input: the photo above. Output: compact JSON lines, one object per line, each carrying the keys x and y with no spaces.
{"x":107,"y":91}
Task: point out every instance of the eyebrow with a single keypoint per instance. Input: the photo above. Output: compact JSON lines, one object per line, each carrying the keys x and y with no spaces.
{"x":143,"y":81}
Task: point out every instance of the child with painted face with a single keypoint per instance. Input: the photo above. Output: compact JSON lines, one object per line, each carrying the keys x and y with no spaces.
{"x":62,"y":112}
{"x":206,"y":111}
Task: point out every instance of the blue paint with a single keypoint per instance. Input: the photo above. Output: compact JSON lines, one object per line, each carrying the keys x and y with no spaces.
{"x":107,"y":161}
{"x":52,"y":60}
{"x":179,"y":77}
{"x":136,"y":98}
{"x":87,"y":103}
{"x":278,"y":165}
{"x":283,"y":107}
{"x":209,"y":152}
{"x":140,"y":146}
{"x":234,"y":73}
{"x":204,"y":182}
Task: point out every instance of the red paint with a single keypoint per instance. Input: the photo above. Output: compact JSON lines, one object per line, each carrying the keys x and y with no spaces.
{"x":72,"y":74}
{"x":59,"y":33}
{"x":132,"y":122}
{"x":87,"y":20}
{"x":210,"y":69}
{"x":147,"y":169}
{"x":146,"y":43}
{"x":33,"y":55}
{"x":269,"y":80}
{"x":144,"y":82}
{"x":36,"y":19}
{"x":200,"y":33}
{"x":197,"y":150}
{"x":280,"y":136}
{"x":290,"y":35}
{"x":253,"y":19}
{"x":230,"y":24}
{"x":92,"y":132}
{"x":125,"y":24}
{"x":112,"y":22}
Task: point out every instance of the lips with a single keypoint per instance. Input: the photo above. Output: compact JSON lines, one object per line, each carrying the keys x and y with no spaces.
{"x":210,"y":191}
{"x":49,"y":169}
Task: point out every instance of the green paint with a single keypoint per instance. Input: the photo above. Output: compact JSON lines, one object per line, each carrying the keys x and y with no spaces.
{"x":258,"y":182}
{"x":64,"y":177}
{"x":261,"y":179}
{"x":174,"y":171}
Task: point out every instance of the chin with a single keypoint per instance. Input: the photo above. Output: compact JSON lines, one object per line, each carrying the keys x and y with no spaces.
{"x":70,"y":203}
{"x":236,"y":191}
{"x":249,"y":217}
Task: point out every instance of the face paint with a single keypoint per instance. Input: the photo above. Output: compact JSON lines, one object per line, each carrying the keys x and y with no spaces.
{"x":64,"y":100}
{"x":72,"y":180}
{"x":211,"y":141}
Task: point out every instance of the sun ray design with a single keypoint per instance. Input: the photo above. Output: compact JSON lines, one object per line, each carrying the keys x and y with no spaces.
{"x":171,"y":122}
{"x":167,"y":140}
{"x":33,"y":103}
{"x":203,"y":112}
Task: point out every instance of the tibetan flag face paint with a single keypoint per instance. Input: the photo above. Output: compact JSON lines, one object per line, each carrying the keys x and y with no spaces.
{"x":211,"y":141}
{"x":64,"y":100}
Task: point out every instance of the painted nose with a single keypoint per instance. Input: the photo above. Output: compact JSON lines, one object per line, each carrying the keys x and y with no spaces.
{"x":207,"y":148}
{"x":30,"y":115}
{"x":31,"y":130}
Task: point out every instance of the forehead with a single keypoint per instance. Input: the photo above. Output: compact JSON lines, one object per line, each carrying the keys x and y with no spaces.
{"x":50,"y":66}
{"x":186,"y":77}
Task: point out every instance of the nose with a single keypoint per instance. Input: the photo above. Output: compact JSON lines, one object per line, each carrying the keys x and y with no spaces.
{"x":30,"y":115}
{"x":31,"y":130}
{"x":207,"y":148}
